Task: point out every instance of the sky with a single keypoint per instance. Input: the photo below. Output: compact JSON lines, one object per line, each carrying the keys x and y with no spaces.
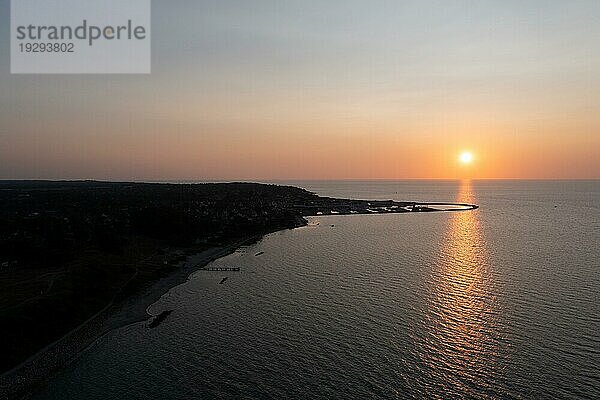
{"x":266,"y":90}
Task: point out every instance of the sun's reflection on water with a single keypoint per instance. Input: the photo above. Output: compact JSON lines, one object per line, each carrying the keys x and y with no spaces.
{"x":461,"y":343}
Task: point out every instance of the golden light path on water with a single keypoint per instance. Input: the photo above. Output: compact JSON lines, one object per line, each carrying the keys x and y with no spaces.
{"x":461,"y":347}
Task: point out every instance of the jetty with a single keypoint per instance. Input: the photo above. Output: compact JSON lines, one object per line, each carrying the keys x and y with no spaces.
{"x":220,"y":269}
{"x":159,"y":318}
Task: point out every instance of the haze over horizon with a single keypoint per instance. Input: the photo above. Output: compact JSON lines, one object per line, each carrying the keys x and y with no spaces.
{"x":337,"y":90}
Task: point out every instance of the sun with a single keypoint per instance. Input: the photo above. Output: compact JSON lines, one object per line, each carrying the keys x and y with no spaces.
{"x":466,"y":157}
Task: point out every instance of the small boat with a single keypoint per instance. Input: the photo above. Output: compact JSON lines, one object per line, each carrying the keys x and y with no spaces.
{"x":259,"y":253}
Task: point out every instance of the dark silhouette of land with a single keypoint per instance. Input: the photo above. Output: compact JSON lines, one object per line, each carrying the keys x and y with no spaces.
{"x":70,"y":249}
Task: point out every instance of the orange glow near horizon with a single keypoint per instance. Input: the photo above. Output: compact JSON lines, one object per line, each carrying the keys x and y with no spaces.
{"x":303,"y":152}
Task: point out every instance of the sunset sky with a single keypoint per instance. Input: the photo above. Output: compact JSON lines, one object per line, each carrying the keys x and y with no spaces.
{"x":323,"y":90}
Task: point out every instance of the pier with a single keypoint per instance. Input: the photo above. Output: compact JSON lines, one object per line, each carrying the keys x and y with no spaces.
{"x":234,"y":269}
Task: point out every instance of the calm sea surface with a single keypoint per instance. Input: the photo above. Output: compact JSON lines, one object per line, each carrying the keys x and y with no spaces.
{"x":502,"y":302}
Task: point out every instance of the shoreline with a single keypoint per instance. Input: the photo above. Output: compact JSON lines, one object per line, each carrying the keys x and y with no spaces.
{"x":25,"y":379}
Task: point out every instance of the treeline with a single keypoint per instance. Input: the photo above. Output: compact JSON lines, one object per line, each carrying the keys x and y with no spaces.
{"x":45,"y":222}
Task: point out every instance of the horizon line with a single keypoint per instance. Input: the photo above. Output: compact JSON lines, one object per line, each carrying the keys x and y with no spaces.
{"x":259,"y":180}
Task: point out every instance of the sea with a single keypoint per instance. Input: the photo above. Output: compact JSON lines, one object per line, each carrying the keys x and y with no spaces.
{"x":502,"y":302}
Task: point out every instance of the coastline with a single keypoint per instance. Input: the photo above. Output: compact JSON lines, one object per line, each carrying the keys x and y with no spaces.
{"x":25,"y":379}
